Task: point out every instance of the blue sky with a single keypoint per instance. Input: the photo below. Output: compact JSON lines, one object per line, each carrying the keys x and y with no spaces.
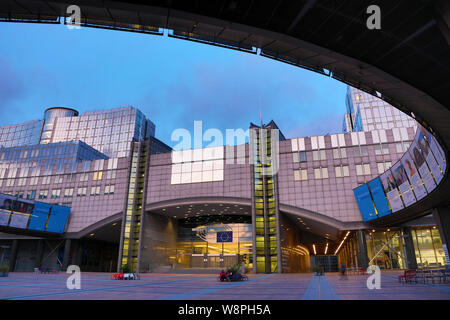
{"x":174,"y":82}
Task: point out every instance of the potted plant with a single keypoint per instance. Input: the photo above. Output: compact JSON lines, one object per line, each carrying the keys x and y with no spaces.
{"x":4,"y":269}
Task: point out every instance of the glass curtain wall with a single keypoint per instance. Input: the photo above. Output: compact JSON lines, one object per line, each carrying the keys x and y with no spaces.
{"x":200,"y":247}
{"x":388,"y":248}
{"x":428,"y":247}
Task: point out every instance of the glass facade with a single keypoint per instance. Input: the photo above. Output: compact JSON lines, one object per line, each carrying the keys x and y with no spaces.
{"x":265,"y":214}
{"x":110,"y":131}
{"x":428,"y":247}
{"x":203,"y":246}
{"x":21,"y":134}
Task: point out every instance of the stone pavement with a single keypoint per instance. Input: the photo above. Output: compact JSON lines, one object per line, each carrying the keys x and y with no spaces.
{"x":98,"y":286}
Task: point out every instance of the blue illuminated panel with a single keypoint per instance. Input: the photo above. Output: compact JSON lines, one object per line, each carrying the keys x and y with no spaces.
{"x":379,"y":197}
{"x":58,"y":219}
{"x":365,"y":203}
{"x":39,"y":216}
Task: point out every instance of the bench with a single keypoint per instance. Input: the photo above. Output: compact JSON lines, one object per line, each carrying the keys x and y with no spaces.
{"x":408,"y":276}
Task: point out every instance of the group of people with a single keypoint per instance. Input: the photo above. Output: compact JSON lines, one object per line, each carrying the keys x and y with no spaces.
{"x":228,"y":276}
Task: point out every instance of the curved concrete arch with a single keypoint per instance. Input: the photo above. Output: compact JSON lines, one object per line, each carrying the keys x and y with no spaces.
{"x":93,"y":227}
{"x":321,"y":224}
{"x":198,"y":200}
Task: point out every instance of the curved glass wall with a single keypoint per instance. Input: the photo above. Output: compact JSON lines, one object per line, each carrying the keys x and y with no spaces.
{"x":415,"y":175}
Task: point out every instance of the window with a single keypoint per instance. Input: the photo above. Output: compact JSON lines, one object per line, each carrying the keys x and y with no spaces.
{"x":81,"y":192}
{"x":363,"y":169}
{"x":321,"y":173}
{"x":302,"y":156}
{"x":111,"y":174}
{"x":56,"y":193}
{"x":301,"y":175}
{"x":31,"y":195}
{"x":109,"y":189}
{"x":360,"y":151}
{"x":319,"y":155}
{"x":46,"y":180}
{"x":43,"y":194}
{"x":381,"y":149}
{"x":339,"y":153}
{"x":84,"y":177}
{"x":33,"y":181}
{"x":341,"y":171}
{"x":401,"y":147}
{"x":383,"y":166}
{"x":95,"y":191}
{"x":59,"y":179}
{"x":68,"y":192}
{"x":98,"y":176}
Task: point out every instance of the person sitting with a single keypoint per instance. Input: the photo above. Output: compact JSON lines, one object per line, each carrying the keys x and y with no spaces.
{"x":223,"y":276}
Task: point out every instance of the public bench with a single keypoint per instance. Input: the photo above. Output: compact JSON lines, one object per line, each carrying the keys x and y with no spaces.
{"x":407,"y":276}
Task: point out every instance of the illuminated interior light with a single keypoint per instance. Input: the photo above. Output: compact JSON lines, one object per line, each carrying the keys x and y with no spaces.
{"x":314,"y":248}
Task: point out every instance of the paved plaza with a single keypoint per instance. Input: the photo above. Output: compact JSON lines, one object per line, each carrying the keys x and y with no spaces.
{"x":98,"y":286}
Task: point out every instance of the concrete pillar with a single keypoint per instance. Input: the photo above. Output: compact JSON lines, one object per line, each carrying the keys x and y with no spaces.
{"x":101,"y":260}
{"x":410,"y":253}
{"x":66,"y":257}
{"x":363,"y":259}
{"x":442,"y":218}
{"x":39,"y":253}
{"x":13,"y":256}
{"x":75,"y":246}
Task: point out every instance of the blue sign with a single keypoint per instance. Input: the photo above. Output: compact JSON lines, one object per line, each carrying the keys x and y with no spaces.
{"x":57,"y":219}
{"x":39,"y":216}
{"x":379,"y":197}
{"x":365,"y":202}
{"x":224,"y":236}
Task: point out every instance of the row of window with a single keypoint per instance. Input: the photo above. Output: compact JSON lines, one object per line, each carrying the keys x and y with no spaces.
{"x":68,"y":192}
{"x":341,"y":171}
{"x":46,"y":180}
{"x":358,"y":151}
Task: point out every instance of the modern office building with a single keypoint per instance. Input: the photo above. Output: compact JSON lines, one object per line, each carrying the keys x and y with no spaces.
{"x":367,"y":113}
{"x":274,"y":204}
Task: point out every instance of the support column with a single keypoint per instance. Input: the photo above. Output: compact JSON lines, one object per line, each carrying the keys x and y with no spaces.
{"x":442,"y":218}
{"x":100,"y":263}
{"x":13,"y":256}
{"x":39,"y":253}
{"x":363,"y":259}
{"x":75,"y":253}
{"x":65,"y":262}
{"x":410,"y":253}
